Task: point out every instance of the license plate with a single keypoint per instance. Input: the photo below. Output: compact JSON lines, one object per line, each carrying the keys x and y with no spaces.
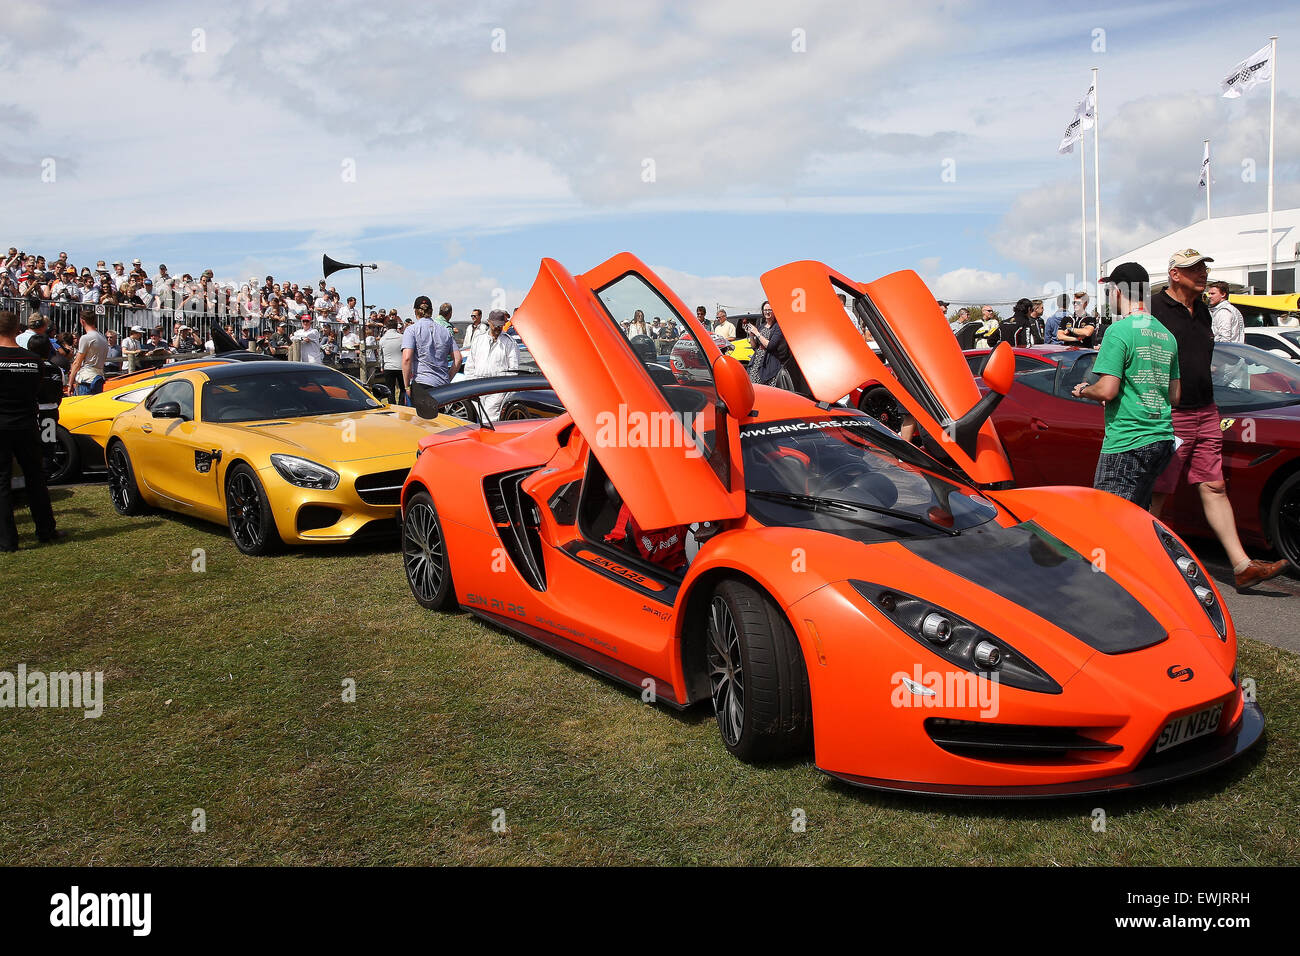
{"x":1189,"y":727}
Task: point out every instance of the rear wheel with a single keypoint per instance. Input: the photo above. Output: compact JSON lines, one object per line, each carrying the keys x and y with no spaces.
{"x":756,"y":675}
{"x":424,"y":554}
{"x":122,"y":488}
{"x":63,"y":461}
{"x":1284,"y":521}
{"x":248,"y":512}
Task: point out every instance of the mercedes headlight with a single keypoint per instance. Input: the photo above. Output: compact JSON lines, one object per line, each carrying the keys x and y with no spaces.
{"x":957,"y":640}
{"x":304,"y":473}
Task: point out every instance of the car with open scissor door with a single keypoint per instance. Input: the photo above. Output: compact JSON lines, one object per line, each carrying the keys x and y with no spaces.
{"x":827,"y":586}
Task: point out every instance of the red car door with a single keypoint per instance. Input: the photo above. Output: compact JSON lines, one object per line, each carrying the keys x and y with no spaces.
{"x":1066,"y":431}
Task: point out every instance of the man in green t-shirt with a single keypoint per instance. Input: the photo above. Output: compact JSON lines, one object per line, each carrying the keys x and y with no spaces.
{"x":1137,"y":369}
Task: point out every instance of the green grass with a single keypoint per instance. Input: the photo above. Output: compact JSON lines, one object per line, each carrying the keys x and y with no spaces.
{"x":224,"y":692}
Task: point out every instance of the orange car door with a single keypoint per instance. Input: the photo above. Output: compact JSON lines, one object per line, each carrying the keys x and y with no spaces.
{"x":926,"y":372}
{"x":668,"y":446}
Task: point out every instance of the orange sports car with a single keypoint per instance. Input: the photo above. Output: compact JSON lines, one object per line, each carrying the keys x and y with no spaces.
{"x":907,"y":617}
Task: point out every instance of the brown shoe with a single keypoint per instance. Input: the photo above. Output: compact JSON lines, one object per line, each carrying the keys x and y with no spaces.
{"x":1258,"y":571}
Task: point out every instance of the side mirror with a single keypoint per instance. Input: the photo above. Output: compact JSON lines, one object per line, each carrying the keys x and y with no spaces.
{"x":734,"y":387}
{"x":382,"y":392}
{"x":167,"y":410}
{"x":1000,"y":371}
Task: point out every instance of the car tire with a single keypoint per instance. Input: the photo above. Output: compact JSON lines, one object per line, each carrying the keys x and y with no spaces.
{"x":65,"y":463}
{"x":424,"y":555}
{"x":1284,"y":521}
{"x":877,"y":402}
{"x":248,"y":513}
{"x":757,"y":677}
{"x":123,"y":490}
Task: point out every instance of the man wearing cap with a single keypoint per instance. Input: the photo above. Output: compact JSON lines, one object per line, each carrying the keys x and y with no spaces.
{"x":1198,"y":460}
{"x":280,"y":341}
{"x":119,"y":275}
{"x":429,"y":357}
{"x":1138,"y":383}
{"x":308,"y":339}
{"x":131,"y":348}
{"x":493,"y":354}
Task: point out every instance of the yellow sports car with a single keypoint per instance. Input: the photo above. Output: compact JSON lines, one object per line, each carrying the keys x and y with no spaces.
{"x":280,"y":452}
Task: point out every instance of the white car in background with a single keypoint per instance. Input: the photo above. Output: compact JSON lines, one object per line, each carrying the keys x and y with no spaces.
{"x":1284,"y":343}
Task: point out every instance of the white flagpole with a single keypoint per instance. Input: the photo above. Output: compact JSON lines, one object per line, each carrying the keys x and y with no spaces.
{"x":1208,"y":172}
{"x":1272,"y":110}
{"x":1083,"y":216}
{"x":1096,"y":169}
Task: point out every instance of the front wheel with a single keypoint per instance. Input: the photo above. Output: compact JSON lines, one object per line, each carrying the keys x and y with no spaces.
{"x":424,"y":554}
{"x":248,"y":512}
{"x":757,"y":676}
{"x":122,"y":488}
{"x":1284,"y":521}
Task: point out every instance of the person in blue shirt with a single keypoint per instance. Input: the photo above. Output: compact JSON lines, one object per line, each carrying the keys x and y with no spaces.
{"x":1053,"y":324}
{"x":429,"y":358}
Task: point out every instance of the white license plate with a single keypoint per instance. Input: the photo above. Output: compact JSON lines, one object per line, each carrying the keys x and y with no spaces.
{"x":1189,"y":727}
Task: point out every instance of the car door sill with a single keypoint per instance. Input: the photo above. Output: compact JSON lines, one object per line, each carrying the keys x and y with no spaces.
{"x":589,"y":658}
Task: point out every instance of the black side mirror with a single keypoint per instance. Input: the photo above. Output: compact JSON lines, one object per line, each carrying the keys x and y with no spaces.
{"x":167,"y":410}
{"x":382,"y":392}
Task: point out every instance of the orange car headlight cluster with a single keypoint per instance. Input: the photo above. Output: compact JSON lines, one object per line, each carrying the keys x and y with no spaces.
{"x":957,"y":640}
{"x":1192,"y":575}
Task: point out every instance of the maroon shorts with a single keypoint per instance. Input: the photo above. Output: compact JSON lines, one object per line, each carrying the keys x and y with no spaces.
{"x":1200,"y":456}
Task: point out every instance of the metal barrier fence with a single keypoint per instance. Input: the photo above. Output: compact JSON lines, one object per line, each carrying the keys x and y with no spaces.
{"x":65,"y":316}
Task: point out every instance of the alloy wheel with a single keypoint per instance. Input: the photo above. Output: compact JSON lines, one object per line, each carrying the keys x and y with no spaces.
{"x":244,"y":510}
{"x":422,"y":551}
{"x":119,"y":479}
{"x":726,"y":676}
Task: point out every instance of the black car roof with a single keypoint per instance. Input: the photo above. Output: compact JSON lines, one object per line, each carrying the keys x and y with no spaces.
{"x":249,"y":369}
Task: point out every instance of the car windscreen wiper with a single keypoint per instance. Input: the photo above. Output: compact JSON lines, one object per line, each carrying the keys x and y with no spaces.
{"x":842,"y":505}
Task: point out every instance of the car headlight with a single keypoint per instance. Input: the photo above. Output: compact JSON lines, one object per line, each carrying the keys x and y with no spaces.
{"x":304,"y":473}
{"x":1194,"y":578}
{"x":957,"y":640}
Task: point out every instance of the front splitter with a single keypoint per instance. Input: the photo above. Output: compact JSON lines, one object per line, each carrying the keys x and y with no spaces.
{"x":1248,"y":732}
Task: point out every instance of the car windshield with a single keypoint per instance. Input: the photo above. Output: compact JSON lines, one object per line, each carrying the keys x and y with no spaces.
{"x":291,"y":393}
{"x":1246,"y":378}
{"x":849,"y":475}
{"x":1292,"y":337}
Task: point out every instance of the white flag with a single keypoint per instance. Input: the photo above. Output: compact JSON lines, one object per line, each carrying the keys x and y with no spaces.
{"x":1085,"y":114}
{"x":1249,"y":73}
{"x":1206,"y":175}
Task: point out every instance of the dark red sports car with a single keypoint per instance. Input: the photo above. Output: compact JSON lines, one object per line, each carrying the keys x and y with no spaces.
{"x":1053,"y":438}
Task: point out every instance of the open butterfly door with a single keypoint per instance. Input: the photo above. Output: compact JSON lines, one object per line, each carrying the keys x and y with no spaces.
{"x":920,"y":362}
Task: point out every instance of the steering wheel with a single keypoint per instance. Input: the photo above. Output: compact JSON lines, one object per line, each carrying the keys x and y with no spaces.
{"x":828,"y":481}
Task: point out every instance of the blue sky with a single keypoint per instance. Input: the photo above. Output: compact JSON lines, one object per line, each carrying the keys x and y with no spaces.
{"x":456,"y":146}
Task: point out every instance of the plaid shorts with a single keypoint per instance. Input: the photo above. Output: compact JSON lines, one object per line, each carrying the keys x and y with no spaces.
{"x":1132,"y":474}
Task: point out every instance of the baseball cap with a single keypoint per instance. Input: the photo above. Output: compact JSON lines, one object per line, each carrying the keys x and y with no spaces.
{"x":117,"y":262}
{"x":1186,"y":257}
{"x":498,"y":317}
{"x":423,"y":301}
{"x":1130,"y":275}
{"x":942,"y":304}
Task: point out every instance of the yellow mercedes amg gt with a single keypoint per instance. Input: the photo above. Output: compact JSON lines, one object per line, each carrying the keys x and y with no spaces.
{"x":280,"y":452}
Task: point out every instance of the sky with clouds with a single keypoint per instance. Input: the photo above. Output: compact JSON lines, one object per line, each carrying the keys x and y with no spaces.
{"x":456,"y":144}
